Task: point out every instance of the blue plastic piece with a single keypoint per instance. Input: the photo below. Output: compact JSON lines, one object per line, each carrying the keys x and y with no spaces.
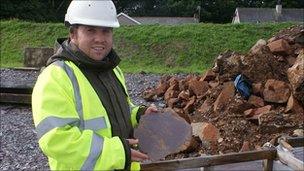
{"x":243,"y":86}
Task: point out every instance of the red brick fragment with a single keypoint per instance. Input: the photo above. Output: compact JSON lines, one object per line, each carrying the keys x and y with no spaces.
{"x":280,"y":47}
{"x":294,"y":106}
{"x":205,"y":131}
{"x":225,"y":96}
{"x":276,"y":91}
{"x":208,"y":76}
{"x":256,"y":101}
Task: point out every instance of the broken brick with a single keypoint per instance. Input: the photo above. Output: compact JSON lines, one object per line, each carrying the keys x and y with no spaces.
{"x":257,"y":88}
{"x":206,"y":106}
{"x":280,"y":47}
{"x":199,"y":88}
{"x":208,"y":76}
{"x":205,"y":131}
{"x":276,"y":91}
{"x":239,"y":106}
{"x":149,"y":95}
{"x":296,"y":78}
{"x":171,"y":92}
{"x":173,"y":81}
{"x":183,"y":104}
{"x":161,"y":88}
{"x":272,"y":39}
{"x":256,"y":101}
{"x":267,"y":122}
{"x":291,"y":60}
{"x":182,"y":85}
{"x":213,"y":84}
{"x":171,"y":102}
{"x":298,"y":49}
{"x":249,"y":112}
{"x":184,"y":95}
{"x":190,"y":77}
{"x":257,"y":47}
{"x":189,"y":108}
{"x":257,"y":111}
{"x":262,"y":110}
{"x":294,"y":106}
{"x":225,"y":96}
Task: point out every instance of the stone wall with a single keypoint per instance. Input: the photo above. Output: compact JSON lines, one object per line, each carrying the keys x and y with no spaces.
{"x":37,"y":57}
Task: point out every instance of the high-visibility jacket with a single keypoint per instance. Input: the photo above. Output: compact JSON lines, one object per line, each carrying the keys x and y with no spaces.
{"x":72,"y":125}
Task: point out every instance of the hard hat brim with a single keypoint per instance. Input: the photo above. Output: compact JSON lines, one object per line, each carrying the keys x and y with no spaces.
{"x":97,"y":23}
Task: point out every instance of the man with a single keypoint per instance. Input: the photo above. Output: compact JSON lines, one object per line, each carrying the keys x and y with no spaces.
{"x":82,"y":112}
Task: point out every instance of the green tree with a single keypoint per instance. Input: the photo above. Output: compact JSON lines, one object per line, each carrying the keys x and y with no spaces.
{"x":218,"y":11}
{"x":34,"y":10}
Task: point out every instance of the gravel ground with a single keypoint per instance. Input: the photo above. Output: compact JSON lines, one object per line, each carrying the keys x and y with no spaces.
{"x":19,"y":147}
{"x":17,"y":78}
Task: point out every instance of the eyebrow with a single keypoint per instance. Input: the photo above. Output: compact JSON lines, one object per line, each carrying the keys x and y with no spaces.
{"x":95,"y":27}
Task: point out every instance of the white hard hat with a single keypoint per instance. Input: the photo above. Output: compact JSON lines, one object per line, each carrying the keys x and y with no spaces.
{"x":93,"y":13}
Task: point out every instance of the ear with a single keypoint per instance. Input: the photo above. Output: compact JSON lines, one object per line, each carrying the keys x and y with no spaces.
{"x":73,"y":36}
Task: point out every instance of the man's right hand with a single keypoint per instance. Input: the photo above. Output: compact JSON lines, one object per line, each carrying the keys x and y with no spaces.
{"x":136,"y":155}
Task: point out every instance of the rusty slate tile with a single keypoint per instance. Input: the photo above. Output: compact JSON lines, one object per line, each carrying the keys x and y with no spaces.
{"x":163,"y":134}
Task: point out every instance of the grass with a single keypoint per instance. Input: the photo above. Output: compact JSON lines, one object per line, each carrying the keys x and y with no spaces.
{"x":17,"y":35}
{"x":189,"y":48}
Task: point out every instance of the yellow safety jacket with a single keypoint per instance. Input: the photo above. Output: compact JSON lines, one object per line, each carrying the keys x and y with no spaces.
{"x":72,"y":125}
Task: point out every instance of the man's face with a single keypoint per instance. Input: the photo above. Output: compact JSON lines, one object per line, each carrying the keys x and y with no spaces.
{"x":96,"y":42}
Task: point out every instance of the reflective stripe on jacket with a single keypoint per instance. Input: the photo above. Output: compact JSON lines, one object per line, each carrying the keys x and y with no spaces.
{"x":72,"y":125}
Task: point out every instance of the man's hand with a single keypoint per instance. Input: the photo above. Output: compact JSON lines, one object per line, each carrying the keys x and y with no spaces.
{"x":136,"y":155}
{"x":151,"y":109}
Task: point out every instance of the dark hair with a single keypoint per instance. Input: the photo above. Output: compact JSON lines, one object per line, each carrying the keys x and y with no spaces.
{"x":72,"y":28}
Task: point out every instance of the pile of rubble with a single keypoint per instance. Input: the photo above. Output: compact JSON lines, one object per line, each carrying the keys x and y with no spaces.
{"x":223,"y":120}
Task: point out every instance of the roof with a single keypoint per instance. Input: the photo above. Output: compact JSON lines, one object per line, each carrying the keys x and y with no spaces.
{"x":269,"y":14}
{"x":125,"y":19}
{"x":166,"y":20}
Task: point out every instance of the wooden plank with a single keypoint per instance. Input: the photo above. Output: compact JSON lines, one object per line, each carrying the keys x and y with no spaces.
{"x":208,"y":168}
{"x":207,"y":161}
{"x":288,"y":159}
{"x":268,"y":165}
{"x":17,"y":89}
{"x":26,"y":68}
{"x":15,"y":98}
{"x":286,"y":145}
{"x":14,"y":85}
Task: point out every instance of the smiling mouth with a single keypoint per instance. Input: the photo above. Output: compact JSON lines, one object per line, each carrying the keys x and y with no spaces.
{"x":98,"y":49}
